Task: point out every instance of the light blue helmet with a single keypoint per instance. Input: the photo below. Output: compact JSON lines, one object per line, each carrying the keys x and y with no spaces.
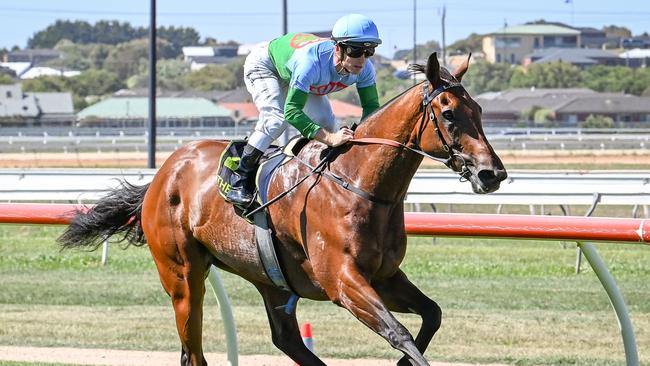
{"x":356,"y":28}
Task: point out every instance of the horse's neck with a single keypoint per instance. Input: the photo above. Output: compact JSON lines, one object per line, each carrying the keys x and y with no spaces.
{"x":383,"y":170}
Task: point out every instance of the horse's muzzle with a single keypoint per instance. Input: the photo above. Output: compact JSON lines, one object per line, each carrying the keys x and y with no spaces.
{"x":487,"y":180}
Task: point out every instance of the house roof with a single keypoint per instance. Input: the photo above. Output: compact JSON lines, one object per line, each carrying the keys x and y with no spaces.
{"x":533,"y":29}
{"x":244,"y":110}
{"x":54,"y":103}
{"x":138,"y":108}
{"x":17,"y":67}
{"x":13,"y":102}
{"x":635,"y":53}
{"x":511,"y":94}
{"x":38,"y":71}
{"x":607,"y":104}
{"x":571,"y":55}
{"x":193,"y":51}
{"x":495,"y":106}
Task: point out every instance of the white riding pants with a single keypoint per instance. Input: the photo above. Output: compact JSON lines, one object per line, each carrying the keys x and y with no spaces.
{"x":269,"y":93}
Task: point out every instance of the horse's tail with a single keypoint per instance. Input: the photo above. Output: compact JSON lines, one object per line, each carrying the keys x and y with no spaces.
{"x":118,"y":212}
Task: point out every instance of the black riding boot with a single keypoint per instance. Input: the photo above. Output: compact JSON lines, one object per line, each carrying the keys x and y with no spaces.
{"x":242,"y":181}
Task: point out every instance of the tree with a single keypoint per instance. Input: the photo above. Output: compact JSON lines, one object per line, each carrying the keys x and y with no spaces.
{"x":597,"y":121}
{"x":6,"y":79}
{"x":77,"y":31}
{"x":46,"y":84}
{"x":179,"y":38}
{"x":217,"y":77}
{"x":617,"y":79}
{"x":613,"y":31}
{"x":529,"y":114}
{"x":388,"y":86}
{"x":110,"y":32}
{"x":126,"y":58}
{"x":544,"y":118}
{"x":473,"y":43}
{"x":170,"y":75}
{"x":423,"y":51}
{"x":483,"y":77}
{"x":547,"y":75}
{"x":95,"y":82}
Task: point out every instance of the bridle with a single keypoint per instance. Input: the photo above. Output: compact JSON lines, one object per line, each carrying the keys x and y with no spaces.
{"x":427,"y":111}
{"x":454,"y":154}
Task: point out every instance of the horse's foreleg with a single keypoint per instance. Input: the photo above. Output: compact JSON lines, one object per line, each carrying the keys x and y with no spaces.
{"x":284,"y":327}
{"x":182,"y":266}
{"x":402,"y":296}
{"x":354,"y":292}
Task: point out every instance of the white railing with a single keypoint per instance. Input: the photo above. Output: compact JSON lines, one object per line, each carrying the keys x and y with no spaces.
{"x":427,"y":187}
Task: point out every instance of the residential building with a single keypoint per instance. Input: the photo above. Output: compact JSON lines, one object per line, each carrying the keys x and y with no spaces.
{"x":18,"y":109}
{"x":511,"y":44}
{"x":200,"y":56}
{"x":170,"y":112}
{"x":33,"y":56}
{"x":580,"y":57}
{"x":18,"y":68}
{"x":569,"y":107}
{"x":636,"y":58}
{"x":39,"y":71}
{"x":243,"y":113}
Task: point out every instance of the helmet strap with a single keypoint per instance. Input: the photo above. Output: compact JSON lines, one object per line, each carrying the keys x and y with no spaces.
{"x":340,"y":69}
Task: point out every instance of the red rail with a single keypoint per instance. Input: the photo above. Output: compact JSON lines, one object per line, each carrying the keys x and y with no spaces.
{"x":495,"y":226}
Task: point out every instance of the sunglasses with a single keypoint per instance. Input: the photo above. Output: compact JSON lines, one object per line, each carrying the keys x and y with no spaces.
{"x":356,"y":51}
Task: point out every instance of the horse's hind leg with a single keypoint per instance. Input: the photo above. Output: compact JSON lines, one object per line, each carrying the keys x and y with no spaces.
{"x":402,"y":296}
{"x":284,"y":327}
{"x":183,"y":264}
{"x":353,"y":291}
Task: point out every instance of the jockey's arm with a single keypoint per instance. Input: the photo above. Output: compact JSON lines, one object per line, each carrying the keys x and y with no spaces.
{"x":294,"y":115}
{"x":369,"y":99}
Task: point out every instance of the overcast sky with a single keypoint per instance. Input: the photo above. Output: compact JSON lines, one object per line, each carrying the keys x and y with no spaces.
{"x":258,"y":20}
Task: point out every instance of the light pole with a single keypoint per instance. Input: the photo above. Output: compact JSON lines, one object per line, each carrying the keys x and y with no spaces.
{"x":151,"y":148}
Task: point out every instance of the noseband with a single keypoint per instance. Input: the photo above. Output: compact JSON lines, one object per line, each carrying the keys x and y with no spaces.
{"x":454,"y":154}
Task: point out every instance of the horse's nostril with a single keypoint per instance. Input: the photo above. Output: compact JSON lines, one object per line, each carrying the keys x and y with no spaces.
{"x":486,"y":175}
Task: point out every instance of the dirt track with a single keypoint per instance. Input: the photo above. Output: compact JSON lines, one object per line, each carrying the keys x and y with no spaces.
{"x":78,"y":356}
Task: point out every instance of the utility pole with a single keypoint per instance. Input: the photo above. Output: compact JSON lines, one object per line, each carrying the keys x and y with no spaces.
{"x":444,"y":52}
{"x":285,"y":28}
{"x":151,"y":148}
{"x":415,"y":52}
{"x":284,"y":138}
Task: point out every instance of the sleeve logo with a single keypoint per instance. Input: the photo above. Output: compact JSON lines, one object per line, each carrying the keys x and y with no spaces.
{"x":301,"y":40}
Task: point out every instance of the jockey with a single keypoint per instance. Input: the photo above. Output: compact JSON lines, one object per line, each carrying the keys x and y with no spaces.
{"x":289,"y":79}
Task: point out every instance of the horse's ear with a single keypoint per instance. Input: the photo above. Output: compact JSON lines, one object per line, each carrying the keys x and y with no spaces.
{"x":433,"y":69}
{"x":462,"y":69}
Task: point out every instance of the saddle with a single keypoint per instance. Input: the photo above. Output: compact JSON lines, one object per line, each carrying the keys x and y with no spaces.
{"x":272,"y":158}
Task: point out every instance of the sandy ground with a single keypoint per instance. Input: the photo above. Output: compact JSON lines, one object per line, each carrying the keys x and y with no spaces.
{"x":139,"y":160}
{"x":80,"y":356}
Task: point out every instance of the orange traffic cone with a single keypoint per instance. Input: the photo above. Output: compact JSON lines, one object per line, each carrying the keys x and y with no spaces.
{"x":305,"y":333}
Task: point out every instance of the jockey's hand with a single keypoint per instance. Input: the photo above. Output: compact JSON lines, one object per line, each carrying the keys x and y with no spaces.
{"x":338,"y":138}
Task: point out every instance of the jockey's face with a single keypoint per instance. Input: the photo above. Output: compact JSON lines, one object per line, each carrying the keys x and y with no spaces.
{"x":353,"y":65}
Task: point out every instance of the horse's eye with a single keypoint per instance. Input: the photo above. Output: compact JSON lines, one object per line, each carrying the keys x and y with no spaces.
{"x":448,"y":115}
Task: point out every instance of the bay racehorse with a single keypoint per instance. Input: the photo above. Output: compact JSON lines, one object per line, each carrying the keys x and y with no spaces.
{"x":334,"y":244}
